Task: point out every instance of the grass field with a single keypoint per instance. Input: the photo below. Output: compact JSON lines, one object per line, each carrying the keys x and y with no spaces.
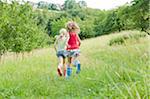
{"x":108,"y":72}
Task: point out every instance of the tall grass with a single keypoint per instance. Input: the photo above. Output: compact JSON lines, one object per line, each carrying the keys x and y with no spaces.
{"x":115,"y":72}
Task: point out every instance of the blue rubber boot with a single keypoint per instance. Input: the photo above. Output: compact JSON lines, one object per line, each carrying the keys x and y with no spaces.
{"x":69,"y":72}
{"x":78,"y":66}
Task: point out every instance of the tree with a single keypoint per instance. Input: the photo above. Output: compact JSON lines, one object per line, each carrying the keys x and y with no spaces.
{"x":70,"y":4}
{"x":82,"y":4}
{"x":57,"y":25}
{"x":18,"y":29}
{"x":140,"y":11}
{"x":42,"y":5}
{"x":49,"y":27}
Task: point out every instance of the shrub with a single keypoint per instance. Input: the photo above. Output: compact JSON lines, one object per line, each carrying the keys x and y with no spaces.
{"x":137,"y":35}
{"x":117,"y":41}
{"x":121,"y":39}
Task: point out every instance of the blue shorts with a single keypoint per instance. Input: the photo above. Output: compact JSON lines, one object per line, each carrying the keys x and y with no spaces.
{"x":73,"y":53}
{"x":62,"y":53}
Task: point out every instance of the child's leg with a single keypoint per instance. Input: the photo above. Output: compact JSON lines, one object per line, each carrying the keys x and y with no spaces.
{"x":77,"y":64}
{"x":69,"y":69}
{"x":78,"y":67}
{"x":69,"y":61}
{"x":60,"y":65}
{"x":74,"y":62}
{"x":64,"y":66}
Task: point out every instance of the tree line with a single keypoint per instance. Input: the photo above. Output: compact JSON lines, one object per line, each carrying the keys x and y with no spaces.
{"x":95,"y":22}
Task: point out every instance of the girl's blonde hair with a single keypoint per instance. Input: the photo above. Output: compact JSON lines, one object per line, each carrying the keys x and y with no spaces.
{"x":63,"y":30}
{"x":72,"y":26}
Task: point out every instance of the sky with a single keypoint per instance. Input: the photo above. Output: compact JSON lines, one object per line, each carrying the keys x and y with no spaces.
{"x":100,"y":4}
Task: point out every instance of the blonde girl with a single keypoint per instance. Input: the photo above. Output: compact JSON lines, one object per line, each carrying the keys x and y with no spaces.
{"x":60,"y":48}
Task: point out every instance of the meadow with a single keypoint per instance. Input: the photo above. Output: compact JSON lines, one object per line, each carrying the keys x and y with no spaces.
{"x":108,"y":72}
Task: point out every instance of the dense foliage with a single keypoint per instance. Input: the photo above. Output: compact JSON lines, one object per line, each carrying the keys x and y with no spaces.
{"x":23,"y":28}
{"x":94,"y":22}
{"x":18,"y":29}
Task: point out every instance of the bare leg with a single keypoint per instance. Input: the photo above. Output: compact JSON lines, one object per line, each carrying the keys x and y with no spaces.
{"x":69,"y":61}
{"x":60,"y":65}
{"x":60,"y":59}
{"x":69,"y":69}
{"x":64,"y":66}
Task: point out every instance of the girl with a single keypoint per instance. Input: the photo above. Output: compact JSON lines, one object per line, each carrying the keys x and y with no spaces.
{"x":73,"y":45}
{"x":60,"y":48}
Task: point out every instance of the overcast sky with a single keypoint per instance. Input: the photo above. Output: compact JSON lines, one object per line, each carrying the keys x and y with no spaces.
{"x":100,"y":4}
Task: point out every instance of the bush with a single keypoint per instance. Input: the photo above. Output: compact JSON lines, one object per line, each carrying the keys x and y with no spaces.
{"x":121,"y":39}
{"x":117,"y":41}
{"x":137,"y":36}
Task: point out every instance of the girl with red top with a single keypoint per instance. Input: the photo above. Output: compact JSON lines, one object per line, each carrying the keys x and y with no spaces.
{"x":73,"y":45}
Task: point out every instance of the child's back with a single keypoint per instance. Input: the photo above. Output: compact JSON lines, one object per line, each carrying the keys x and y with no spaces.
{"x":61,"y":43}
{"x":73,"y":42}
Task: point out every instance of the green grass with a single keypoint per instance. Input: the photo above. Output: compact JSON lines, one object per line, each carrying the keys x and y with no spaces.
{"x":114,"y":72}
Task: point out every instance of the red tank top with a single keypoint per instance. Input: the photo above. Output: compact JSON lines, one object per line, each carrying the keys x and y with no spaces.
{"x":73,"y":42}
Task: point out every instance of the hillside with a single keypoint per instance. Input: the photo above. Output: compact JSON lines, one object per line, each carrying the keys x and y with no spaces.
{"x":119,"y":71}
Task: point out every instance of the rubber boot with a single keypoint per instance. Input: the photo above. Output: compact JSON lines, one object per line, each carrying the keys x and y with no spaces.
{"x":78,"y":66}
{"x":69,"y":71}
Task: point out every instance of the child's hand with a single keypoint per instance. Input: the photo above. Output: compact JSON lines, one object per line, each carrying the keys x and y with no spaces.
{"x":79,"y":43}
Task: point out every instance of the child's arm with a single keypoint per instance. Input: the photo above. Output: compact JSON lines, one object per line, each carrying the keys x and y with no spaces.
{"x":79,"y":40}
{"x":67,"y":42}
